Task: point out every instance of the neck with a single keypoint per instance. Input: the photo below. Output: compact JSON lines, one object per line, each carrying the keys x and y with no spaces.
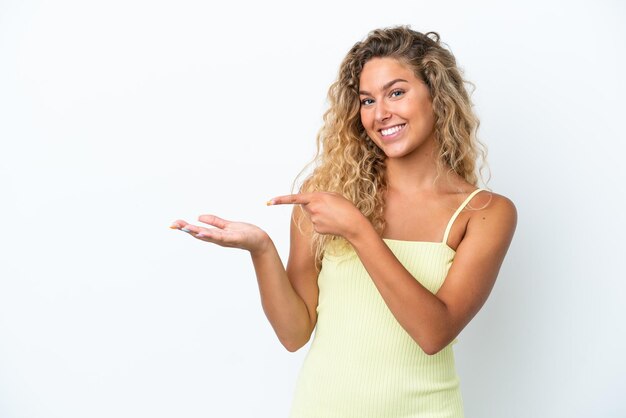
{"x":413,"y":173}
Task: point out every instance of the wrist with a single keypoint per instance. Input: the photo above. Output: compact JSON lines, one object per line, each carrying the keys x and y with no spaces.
{"x":362,"y":229}
{"x":263,"y":246}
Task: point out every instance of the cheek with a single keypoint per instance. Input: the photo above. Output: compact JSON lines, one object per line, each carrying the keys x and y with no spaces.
{"x":410,"y":106}
{"x":366,"y":121}
{"x":363,"y":116}
{"x":430,"y":117}
{"x":421,"y":113}
{"x":427,"y":110}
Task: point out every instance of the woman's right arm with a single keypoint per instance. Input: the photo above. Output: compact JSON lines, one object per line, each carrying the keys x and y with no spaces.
{"x":288,"y":296}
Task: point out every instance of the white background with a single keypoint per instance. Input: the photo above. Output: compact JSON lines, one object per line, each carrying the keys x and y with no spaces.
{"x":118,"y":117}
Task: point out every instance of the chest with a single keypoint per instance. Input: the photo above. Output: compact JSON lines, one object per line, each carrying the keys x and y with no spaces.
{"x":424,"y":220}
{"x":344,"y":284}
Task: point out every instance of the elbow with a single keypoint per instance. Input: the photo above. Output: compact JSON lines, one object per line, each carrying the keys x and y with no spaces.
{"x":296,"y":342}
{"x":434,"y":345}
{"x":434,"y":339}
{"x":431,"y":350}
{"x":295,"y":338}
{"x":294,"y":345}
{"x":292,"y":348}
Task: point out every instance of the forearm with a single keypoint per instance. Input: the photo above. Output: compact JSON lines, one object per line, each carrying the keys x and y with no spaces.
{"x":284,"y":308}
{"x":424,"y":316}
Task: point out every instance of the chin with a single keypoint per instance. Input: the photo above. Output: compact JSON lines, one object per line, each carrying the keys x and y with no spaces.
{"x":395,"y":153}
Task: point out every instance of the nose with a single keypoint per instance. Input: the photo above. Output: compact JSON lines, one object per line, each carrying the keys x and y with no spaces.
{"x":382,"y":111}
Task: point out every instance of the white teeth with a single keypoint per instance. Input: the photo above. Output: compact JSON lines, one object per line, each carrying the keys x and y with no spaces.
{"x":392,"y":130}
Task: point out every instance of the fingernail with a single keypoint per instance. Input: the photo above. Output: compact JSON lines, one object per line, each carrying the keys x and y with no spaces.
{"x":173,"y":226}
{"x":185,"y":230}
{"x":269,"y":202}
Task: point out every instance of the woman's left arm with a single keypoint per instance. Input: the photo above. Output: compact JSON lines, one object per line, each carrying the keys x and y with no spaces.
{"x":432,"y":320}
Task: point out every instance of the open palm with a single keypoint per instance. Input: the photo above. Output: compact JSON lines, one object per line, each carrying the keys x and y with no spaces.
{"x":226,"y":233}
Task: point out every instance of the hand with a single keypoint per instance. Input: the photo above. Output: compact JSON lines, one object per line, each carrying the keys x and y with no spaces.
{"x":227,"y":234}
{"x":330,"y":213}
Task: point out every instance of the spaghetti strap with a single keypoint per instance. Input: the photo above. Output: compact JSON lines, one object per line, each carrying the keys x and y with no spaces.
{"x":465,"y":202}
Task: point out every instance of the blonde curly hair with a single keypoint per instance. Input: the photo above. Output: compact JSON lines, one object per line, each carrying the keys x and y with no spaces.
{"x":350,"y":164}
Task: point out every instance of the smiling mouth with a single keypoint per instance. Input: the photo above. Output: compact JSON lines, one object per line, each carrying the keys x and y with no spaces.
{"x":392,"y":130}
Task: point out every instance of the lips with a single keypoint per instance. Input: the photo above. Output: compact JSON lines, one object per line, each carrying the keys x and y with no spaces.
{"x":387,"y":132}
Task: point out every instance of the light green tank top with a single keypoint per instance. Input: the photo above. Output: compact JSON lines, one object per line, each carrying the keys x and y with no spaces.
{"x":362,"y":363}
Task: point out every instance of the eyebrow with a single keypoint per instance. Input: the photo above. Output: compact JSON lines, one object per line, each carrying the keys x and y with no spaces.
{"x":385,"y":87}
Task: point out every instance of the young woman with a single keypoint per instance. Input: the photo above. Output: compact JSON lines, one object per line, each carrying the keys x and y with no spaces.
{"x":394,"y":249}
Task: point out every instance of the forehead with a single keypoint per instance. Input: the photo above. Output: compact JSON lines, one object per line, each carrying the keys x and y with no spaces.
{"x":378,"y":71}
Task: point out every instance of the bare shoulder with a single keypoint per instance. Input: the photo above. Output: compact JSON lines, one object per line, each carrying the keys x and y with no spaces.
{"x":489,"y":200}
{"x":494,"y":203}
{"x":493,"y":213}
{"x":477,"y":261}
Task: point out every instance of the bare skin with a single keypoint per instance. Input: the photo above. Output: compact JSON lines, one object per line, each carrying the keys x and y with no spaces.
{"x":288,"y":296}
{"x":416,"y":209}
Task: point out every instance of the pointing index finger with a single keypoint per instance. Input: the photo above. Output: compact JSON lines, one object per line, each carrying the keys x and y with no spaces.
{"x":290,"y":199}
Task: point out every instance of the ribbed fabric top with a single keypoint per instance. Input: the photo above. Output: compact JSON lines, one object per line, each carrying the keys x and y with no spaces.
{"x":362,"y":363}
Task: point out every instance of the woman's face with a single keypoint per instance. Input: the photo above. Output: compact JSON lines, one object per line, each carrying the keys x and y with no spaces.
{"x":396,"y":108}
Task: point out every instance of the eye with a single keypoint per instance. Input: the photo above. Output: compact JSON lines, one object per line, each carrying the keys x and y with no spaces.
{"x":396,"y":93}
{"x":366,"y":102}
